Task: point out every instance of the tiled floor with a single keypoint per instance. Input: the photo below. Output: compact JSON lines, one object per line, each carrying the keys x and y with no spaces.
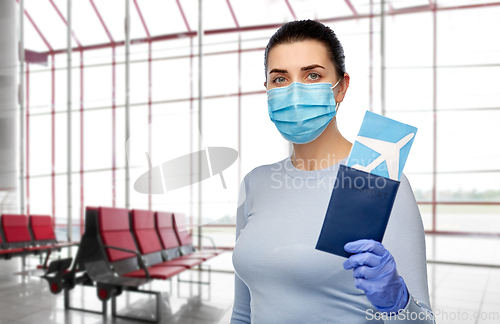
{"x":26,"y":298}
{"x":458,"y":293}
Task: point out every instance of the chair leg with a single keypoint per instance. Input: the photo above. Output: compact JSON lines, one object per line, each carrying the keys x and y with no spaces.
{"x":45,"y":264}
{"x":199,"y":281}
{"x":157,"y":314}
{"x":178,"y":285}
{"x":67,"y":305}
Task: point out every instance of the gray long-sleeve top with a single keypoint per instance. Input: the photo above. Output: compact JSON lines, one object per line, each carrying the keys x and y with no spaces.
{"x":279,"y":275}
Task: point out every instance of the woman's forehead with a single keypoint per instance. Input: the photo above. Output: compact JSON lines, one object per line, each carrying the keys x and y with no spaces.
{"x":298,"y":54}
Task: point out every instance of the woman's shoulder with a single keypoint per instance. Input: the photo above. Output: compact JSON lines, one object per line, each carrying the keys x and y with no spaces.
{"x":267,"y":168}
{"x":256,"y":173}
{"x":405,"y":208}
{"x":405,"y":188}
{"x":262,"y":172}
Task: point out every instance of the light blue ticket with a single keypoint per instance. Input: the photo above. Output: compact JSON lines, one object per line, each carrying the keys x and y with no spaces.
{"x":382,"y":146}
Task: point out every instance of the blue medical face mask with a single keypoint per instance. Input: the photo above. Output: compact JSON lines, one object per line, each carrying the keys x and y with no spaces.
{"x":300,"y":111}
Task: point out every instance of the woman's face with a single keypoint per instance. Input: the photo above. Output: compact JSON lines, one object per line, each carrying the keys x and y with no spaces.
{"x":306,"y":62}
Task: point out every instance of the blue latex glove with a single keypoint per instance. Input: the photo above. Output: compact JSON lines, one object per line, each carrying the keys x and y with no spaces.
{"x":376,"y":274}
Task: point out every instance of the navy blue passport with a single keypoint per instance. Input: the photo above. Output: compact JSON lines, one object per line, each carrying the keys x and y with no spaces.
{"x":359,"y":208}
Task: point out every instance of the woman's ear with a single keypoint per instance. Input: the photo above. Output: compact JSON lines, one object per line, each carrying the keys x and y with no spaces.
{"x":265,"y":84}
{"x":343,"y":85}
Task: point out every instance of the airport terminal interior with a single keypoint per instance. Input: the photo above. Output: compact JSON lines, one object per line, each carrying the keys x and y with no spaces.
{"x":110,"y":109}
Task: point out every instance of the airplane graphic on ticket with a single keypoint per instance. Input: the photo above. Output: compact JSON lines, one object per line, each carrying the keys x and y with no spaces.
{"x":382,"y":146}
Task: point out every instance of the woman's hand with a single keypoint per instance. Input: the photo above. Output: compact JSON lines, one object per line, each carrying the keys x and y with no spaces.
{"x":376,"y":274}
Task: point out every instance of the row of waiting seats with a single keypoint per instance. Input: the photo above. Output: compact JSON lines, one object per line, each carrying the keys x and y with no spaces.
{"x":123,"y":250}
{"x":21,"y":235}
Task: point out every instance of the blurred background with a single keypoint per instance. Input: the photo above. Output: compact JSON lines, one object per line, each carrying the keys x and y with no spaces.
{"x":75,"y":87}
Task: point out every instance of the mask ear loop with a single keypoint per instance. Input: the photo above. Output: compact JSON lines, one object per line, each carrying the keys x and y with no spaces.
{"x":337,"y":104}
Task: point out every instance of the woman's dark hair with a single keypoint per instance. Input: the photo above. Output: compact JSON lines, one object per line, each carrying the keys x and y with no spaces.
{"x":301,"y":30}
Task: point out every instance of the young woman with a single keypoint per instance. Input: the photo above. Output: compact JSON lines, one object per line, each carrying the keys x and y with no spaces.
{"x":279,"y":275}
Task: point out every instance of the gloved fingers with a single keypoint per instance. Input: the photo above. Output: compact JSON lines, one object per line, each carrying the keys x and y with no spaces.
{"x":383,"y":274}
{"x":362,"y":284}
{"x":365,"y":245}
{"x":359,"y":259}
{"x":367,"y":272}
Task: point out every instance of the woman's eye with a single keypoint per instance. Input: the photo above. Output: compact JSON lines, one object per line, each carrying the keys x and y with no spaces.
{"x":279,"y":80}
{"x":313,"y":76}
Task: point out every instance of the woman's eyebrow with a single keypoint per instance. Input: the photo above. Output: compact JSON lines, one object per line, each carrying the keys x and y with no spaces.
{"x":310,"y":67}
{"x":278,"y":71}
